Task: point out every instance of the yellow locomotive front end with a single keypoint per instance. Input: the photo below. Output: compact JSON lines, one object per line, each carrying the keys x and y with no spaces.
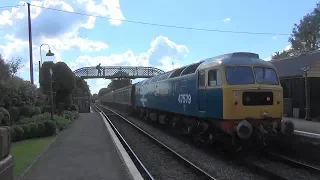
{"x":253,"y":102}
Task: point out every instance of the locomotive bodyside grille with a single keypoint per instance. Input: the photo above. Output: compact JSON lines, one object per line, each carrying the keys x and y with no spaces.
{"x":257,"y":98}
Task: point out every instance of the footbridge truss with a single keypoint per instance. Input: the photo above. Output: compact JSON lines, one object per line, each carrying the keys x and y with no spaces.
{"x":110,"y":72}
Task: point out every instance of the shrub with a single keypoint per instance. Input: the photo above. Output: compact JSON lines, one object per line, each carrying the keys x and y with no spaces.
{"x":27,"y":131}
{"x":74,"y":108}
{"x":51,"y":127}
{"x":35,"y":110}
{"x":25,"y":111}
{"x":34,"y":130}
{"x":60,"y":107}
{"x":75,"y":114}
{"x":18,"y":132}
{"x":41,"y":129}
{"x":5,"y":120}
{"x":47,"y":109}
{"x":13,"y":134}
{"x":14,"y":101}
{"x":14,"y":113}
{"x":62,"y":123}
{"x":68,"y":115}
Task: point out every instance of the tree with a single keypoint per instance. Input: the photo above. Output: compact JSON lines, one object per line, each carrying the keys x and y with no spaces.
{"x":103,"y":91}
{"x":283,"y":54}
{"x":64,"y":81}
{"x":14,"y":66}
{"x":305,"y":36}
{"x":4,"y":69}
{"x":82,"y":87}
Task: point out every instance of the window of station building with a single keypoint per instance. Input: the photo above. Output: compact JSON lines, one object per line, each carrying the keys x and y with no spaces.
{"x":214,"y":78}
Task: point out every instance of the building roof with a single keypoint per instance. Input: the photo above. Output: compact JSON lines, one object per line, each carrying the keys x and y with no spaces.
{"x":290,"y":67}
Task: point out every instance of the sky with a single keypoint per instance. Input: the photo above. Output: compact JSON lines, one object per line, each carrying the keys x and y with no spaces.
{"x":82,"y":41}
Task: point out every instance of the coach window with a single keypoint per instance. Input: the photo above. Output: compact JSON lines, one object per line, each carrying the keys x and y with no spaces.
{"x":214,"y":78}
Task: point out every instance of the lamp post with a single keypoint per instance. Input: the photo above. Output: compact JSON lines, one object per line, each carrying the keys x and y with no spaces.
{"x":49,"y":53}
{"x":305,"y":71}
{"x":51,"y":94}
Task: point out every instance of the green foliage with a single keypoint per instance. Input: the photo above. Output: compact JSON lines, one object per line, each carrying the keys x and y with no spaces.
{"x":14,"y":113}
{"x":75,"y":114}
{"x":41,"y":129}
{"x":64,"y":79}
{"x":35,"y":110}
{"x":60,"y":107}
{"x":65,"y":98}
{"x":4,"y":69}
{"x":45,"y":76}
{"x":34,"y":130}
{"x":13,"y":134}
{"x":19,"y":132}
{"x":74,"y":108}
{"x":25,"y":111}
{"x":5,"y":120}
{"x":51,"y":127}
{"x":305,"y":36}
{"x":68,"y":115}
{"x":81,"y":87}
{"x":27,"y":131}
{"x":62,"y":123}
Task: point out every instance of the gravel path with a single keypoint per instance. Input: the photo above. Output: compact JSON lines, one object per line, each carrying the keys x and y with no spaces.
{"x":226,"y":170}
{"x":160,"y":163}
{"x":211,"y":164}
{"x":83,"y":151}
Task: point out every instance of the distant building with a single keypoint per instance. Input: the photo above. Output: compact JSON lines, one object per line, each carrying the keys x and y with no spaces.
{"x":292,"y":81}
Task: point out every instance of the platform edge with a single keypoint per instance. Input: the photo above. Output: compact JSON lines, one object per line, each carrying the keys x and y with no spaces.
{"x":130,"y":166}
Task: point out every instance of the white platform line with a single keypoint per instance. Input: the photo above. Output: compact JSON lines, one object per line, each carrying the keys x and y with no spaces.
{"x":130,"y":166}
{"x":307,"y":134}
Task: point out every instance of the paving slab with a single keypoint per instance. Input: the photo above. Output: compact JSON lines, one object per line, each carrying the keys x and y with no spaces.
{"x":84,"y":150}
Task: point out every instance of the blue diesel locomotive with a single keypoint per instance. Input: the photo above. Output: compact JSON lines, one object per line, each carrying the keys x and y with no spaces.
{"x":236,"y":94}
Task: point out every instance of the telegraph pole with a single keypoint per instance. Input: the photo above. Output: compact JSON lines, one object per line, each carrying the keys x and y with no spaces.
{"x":30,"y":45}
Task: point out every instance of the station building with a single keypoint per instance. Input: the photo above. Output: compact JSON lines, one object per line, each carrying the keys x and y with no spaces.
{"x":292,"y":79}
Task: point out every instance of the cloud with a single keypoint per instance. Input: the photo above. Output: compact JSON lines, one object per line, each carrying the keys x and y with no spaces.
{"x":227,"y":20}
{"x":161,"y":53}
{"x":274,"y":37}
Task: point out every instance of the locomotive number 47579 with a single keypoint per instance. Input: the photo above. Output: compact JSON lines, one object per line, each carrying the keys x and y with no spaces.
{"x":184,"y":99}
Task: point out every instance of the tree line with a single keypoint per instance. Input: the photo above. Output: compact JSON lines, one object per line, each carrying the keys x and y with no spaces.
{"x":305,"y":37}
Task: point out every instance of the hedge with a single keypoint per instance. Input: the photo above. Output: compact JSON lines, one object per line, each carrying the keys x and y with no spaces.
{"x":41,"y":125}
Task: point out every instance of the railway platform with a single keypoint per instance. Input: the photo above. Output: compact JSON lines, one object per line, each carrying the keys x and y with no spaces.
{"x":86,"y":150}
{"x":306,"y":128}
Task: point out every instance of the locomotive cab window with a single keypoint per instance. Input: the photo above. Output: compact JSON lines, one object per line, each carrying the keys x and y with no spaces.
{"x":201,"y":79}
{"x":214,"y":78}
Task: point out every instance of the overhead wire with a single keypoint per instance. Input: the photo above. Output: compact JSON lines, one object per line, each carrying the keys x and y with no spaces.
{"x":164,"y":25}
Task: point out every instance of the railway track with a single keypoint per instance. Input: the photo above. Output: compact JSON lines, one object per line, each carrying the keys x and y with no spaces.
{"x":293,"y":162}
{"x":189,"y":166}
{"x":253,"y":163}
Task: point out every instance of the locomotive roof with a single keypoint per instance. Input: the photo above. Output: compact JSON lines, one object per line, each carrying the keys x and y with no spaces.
{"x":238,"y":58}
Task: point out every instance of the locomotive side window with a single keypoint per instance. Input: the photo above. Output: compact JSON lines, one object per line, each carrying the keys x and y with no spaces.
{"x":201,"y":79}
{"x":214,"y":78}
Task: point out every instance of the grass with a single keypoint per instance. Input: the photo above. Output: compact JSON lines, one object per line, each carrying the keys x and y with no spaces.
{"x":25,"y":152}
